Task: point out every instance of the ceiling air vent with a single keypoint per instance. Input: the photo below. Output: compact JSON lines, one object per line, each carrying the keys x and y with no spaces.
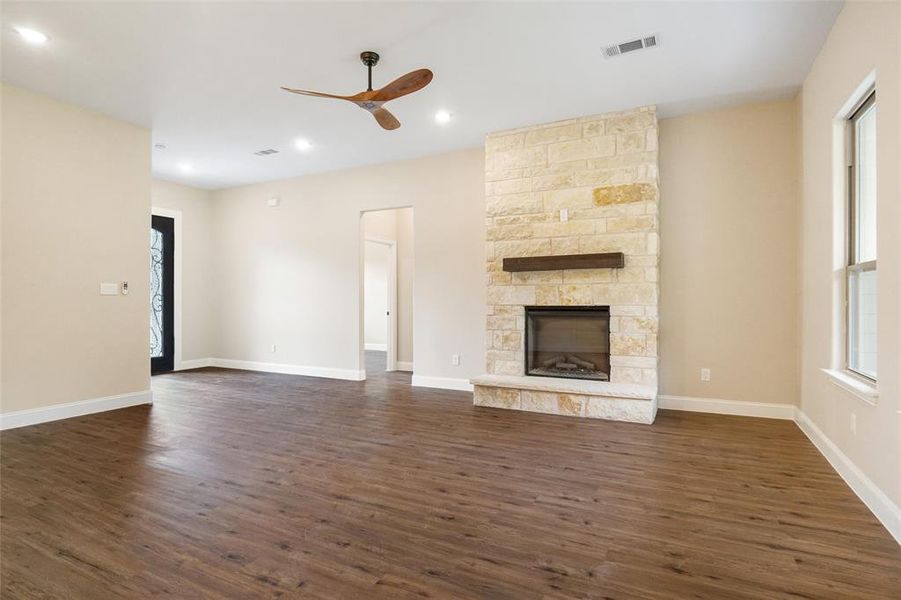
{"x":630,"y":46}
{"x":266,"y":152}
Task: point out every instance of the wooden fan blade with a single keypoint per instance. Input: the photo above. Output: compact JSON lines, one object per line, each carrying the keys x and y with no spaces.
{"x":403,"y":85}
{"x":317,"y":94}
{"x":385,"y":118}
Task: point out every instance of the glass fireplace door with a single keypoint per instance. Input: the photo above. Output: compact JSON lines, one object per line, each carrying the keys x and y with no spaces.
{"x":568,"y":341}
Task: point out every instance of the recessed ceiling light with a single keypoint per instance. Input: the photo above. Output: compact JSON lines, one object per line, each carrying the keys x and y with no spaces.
{"x":185,"y":167}
{"x":442,"y":117}
{"x":32,"y":36}
{"x":302,"y":144}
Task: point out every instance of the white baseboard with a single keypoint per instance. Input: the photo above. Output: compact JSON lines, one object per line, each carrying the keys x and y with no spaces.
{"x":45,"y":414}
{"x":888,"y":513}
{"x":379,"y":347}
{"x":196,"y":363}
{"x":444,"y":383}
{"x":404,"y":366}
{"x":728,"y":407}
{"x":327,"y":372}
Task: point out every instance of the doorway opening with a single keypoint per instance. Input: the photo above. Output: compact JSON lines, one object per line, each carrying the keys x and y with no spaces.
{"x":387,"y":290}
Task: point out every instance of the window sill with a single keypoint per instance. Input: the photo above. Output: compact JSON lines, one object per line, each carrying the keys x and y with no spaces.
{"x":856,"y":386}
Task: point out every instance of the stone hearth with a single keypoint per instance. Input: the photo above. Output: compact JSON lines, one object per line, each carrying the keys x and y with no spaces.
{"x":580,"y":186}
{"x":570,"y":397}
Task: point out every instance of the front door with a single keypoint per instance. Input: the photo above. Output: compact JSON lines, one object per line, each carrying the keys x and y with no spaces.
{"x":162,"y":288}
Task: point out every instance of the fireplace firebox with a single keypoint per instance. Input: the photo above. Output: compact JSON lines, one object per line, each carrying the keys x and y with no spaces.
{"x":568,"y":341}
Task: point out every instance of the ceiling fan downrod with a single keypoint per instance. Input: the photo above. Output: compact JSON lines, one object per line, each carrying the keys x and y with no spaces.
{"x":370,"y":59}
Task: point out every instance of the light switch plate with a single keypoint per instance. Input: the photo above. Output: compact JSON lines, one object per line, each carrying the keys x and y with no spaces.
{"x":109,"y":288}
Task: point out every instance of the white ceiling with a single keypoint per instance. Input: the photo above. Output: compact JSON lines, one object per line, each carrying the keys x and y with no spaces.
{"x":205,"y":76}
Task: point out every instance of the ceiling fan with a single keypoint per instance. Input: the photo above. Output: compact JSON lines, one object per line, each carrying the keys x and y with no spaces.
{"x":372,"y":100}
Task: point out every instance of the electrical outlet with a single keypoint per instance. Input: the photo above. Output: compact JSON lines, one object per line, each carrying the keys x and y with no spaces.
{"x":853,"y":423}
{"x":705,"y":374}
{"x":273,"y":347}
{"x":455,"y":360}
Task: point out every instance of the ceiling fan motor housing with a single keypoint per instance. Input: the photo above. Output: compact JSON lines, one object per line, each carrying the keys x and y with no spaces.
{"x":369,"y":58}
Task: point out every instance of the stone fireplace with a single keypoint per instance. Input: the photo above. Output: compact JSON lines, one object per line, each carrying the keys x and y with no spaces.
{"x":572,"y":265}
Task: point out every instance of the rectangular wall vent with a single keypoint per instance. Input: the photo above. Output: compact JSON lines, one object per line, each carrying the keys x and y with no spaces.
{"x":266,"y":152}
{"x":630,"y":46}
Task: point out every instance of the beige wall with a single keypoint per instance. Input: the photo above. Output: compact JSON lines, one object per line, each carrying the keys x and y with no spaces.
{"x":293,"y":272}
{"x":864,"y":39}
{"x":729,"y":243}
{"x":729,"y":218}
{"x":196,"y":340}
{"x":76,"y":206}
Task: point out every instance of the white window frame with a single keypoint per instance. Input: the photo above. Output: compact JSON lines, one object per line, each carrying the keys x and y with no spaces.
{"x":852,"y":265}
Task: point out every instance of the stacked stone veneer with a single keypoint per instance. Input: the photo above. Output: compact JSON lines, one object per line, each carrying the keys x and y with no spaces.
{"x":603,"y":171}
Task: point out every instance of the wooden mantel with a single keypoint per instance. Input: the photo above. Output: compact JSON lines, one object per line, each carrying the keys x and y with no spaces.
{"x":606,"y":260}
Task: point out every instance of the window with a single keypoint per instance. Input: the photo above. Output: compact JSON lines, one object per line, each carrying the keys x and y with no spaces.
{"x":860,"y":274}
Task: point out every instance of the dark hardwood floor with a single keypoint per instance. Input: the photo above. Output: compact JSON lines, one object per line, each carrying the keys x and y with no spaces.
{"x":250,"y":485}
